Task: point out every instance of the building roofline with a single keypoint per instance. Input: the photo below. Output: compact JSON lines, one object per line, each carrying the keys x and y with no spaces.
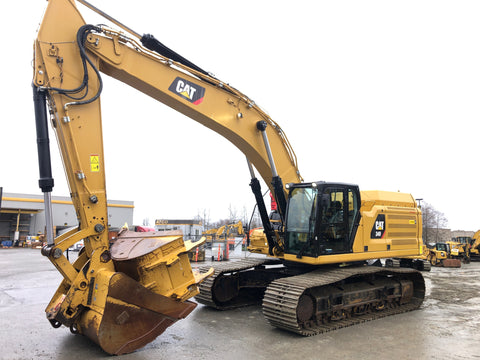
{"x":31,"y":198}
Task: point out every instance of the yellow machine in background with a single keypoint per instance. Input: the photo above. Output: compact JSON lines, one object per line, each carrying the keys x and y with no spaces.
{"x":124,"y":296}
{"x":440,"y":255}
{"x":475,"y":246}
{"x":224,"y":232}
{"x":221,"y":240}
{"x":231,"y":230}
{"x":460,"y":248}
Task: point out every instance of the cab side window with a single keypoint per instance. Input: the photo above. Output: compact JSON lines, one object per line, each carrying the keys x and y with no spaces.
{"x":339,"y":215}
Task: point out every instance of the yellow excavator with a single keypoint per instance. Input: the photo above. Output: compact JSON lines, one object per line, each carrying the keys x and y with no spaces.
{"x":310,"y":274}
{"x":475,"y":246}
{"x":224,"y":231}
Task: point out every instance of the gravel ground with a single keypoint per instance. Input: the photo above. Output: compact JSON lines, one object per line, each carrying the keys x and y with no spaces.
{"x":445,"y":327}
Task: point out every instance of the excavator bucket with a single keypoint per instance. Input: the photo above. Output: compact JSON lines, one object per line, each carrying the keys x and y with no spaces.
{"x":125,"y":306}
{"x":133,"y":316}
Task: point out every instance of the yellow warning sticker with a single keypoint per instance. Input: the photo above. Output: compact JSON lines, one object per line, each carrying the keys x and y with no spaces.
{"x":412,"y":222}
{"x":94,"y":163}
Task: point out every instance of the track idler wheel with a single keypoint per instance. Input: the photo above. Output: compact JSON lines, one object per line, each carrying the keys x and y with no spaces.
{"x":226,"y":288}
{"x":305,"y":308}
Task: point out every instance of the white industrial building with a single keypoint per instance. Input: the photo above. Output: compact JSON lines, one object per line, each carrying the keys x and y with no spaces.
{"x":191,"y":229}
{"x":23,"y":215}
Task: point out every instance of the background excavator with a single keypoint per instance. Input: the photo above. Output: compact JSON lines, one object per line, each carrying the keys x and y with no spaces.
{"x":224,"y":231}
{"x":311,"y":276}
{"x":475,"y":246}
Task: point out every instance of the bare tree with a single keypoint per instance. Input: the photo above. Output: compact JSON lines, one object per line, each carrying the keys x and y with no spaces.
{"x":244,"y":216}
{"x":232,"y":214}
{"x":204,"y":216}
{"x":254,"y":220}
{"x":433,"y":222}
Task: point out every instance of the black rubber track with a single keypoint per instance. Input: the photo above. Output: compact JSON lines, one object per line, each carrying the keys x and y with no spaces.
{"x":281,"y":297}
{"x":206,"y":297}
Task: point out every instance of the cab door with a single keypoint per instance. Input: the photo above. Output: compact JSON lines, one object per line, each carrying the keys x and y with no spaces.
{"x":339,"y":216}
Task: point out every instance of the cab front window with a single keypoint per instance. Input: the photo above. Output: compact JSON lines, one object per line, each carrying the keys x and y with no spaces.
{"x":322,"y":219}
{"x":301,"y":217}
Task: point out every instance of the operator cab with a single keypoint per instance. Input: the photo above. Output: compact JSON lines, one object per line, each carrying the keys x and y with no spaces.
{"x":442,"y":247}
{"x":321,"y":218}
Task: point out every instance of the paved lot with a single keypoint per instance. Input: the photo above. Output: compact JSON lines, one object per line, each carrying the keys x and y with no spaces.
{"x":447,"y":326}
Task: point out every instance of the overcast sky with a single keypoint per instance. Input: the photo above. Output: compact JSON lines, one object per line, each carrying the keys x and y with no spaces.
{"x":384,"y":94}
